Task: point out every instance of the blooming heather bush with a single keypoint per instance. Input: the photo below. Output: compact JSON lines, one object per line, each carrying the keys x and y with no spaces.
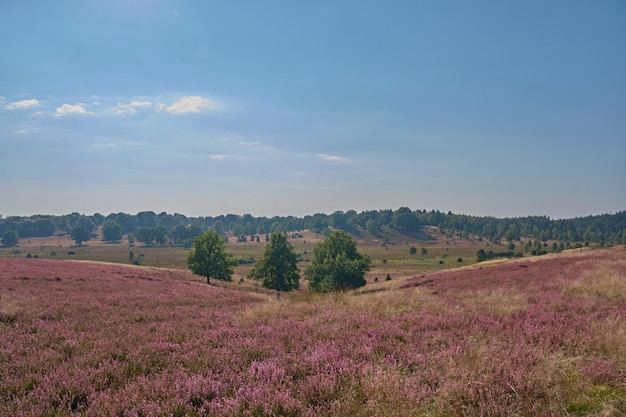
{"x":521,"y":338}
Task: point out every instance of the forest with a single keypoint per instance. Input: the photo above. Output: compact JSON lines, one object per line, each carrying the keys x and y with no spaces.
{"x":180,"y":230}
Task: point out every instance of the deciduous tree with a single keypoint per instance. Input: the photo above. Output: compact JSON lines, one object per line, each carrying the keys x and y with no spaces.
{"x":111,"y":231}
{"x":208,"y":258}
{"x":145,"y":235}
{"x":10,"y":238}
{"x":404,"y":219}
{"x":278,"y":269}
{"x":337,"y":264}
{"x":80,"y":234}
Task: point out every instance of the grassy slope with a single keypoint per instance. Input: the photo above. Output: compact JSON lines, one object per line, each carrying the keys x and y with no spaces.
{"x":545,"y":336}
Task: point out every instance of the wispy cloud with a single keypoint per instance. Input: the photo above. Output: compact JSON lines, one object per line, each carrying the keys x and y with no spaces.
{"x":69,"y":109}
{"x":187,"y":104}
{"x":245,"y":143}
{"x":219,"y":157}
{"x":131,"y":107}
{"x":23,"y":104}
{"x":98,"y":146}
{"x":333,"y":158}
{"x":22,"y":131}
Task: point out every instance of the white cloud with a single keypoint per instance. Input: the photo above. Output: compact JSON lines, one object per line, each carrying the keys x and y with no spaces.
{"x":219,"y":157}
{"x":68,"y":109}
{"x":130,"y":107}
{"x":24,"y":104}
{"x":187,"y":104}
{"x":22,"y":131}
{"x":334,"y":158}
{"x":243,"y":142}
{"x":110,"y":145}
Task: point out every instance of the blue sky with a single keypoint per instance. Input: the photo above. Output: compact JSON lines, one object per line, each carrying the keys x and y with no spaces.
{"x":504,"y":108}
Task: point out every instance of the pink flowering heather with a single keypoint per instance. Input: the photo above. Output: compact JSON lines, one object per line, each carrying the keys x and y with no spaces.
{"x":545,"y":337}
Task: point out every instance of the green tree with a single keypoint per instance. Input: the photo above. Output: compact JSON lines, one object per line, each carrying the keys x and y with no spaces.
{"x":276,"y":228}
{"x":80,"y":234}
{"x":237,"y":229}
{"x":481,"y":255}
{"x":218,"y":227}
{"x":160,"y":235}
{"x":413,"y":250}
{"x":111,"y":231}
{"x":404,"y":219}
{"x":424,"y":252}
{"x":208,"y":258}
{"x":372,"y":226}
{"x":337,"y":264}
{"x":10,"y":238}
{"x":145,"y":235}
{"x":278,"y":269}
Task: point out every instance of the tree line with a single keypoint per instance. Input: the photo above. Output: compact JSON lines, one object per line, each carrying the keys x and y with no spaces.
{"x":177,"y":229}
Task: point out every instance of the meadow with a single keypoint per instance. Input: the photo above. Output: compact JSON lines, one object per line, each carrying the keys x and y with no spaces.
{"x":393,"y":258}
{"x":533,"y":337}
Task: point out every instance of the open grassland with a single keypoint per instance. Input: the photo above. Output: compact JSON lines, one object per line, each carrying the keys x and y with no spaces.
{"x":540,"y":337}
{"x":393,"y":258}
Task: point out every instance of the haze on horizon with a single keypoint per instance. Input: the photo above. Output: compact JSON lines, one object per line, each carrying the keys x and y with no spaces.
{"x":293,"y":108}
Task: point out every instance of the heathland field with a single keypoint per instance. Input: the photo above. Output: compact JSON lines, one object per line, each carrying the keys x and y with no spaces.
{"x":544,"y":336}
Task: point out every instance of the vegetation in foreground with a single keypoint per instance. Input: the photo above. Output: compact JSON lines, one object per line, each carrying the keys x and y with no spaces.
{"x":537,"y":337}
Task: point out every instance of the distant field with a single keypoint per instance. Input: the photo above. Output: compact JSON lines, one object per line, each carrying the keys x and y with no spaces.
{"x":543,"y":336}
{"x":393,"y":259}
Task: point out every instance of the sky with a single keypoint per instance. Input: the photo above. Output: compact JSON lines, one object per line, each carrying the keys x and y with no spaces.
{"x":275,"y":107}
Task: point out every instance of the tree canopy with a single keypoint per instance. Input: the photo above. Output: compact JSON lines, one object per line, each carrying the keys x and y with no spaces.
{"x":208,"y":258}
{"x":337,"y":264}
{"x":278,"y":269}
{"x":604,"y":229}
{"x":10,"y":238}
{"x":80,"y":234}
{"x":111,"y":231}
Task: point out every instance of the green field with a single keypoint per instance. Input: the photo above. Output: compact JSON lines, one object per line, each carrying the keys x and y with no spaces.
{"x":391,"y":258}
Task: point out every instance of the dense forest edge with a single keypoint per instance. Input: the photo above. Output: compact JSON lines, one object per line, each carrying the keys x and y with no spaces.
{"x":177,"y":229}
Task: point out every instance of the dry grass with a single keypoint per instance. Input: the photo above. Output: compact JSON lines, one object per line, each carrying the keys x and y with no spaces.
{"x":605,"y":281}
{"x":498,"y":301}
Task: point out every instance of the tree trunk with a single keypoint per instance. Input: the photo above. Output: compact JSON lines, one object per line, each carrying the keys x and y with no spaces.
{"x":208,"y":280}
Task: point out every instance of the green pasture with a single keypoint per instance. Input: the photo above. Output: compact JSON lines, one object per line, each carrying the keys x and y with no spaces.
{"x":393,"y":257}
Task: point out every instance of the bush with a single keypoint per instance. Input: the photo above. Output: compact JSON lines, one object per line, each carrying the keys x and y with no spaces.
{"x":459,"y":259}
{"x":71,"y":253}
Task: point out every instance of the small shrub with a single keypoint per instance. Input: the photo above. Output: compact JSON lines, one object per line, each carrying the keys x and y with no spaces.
{"x":53,"y":253}
{"x":384,"y":262}
{"x":29,"y":255}
{"x":459,"y":259}
{"x":388,"y":278}
{"x":71,"y":253}
{"x":441,"y":262}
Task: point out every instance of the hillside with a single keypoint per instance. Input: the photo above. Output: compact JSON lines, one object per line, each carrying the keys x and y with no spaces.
{"x":541,"y":336}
